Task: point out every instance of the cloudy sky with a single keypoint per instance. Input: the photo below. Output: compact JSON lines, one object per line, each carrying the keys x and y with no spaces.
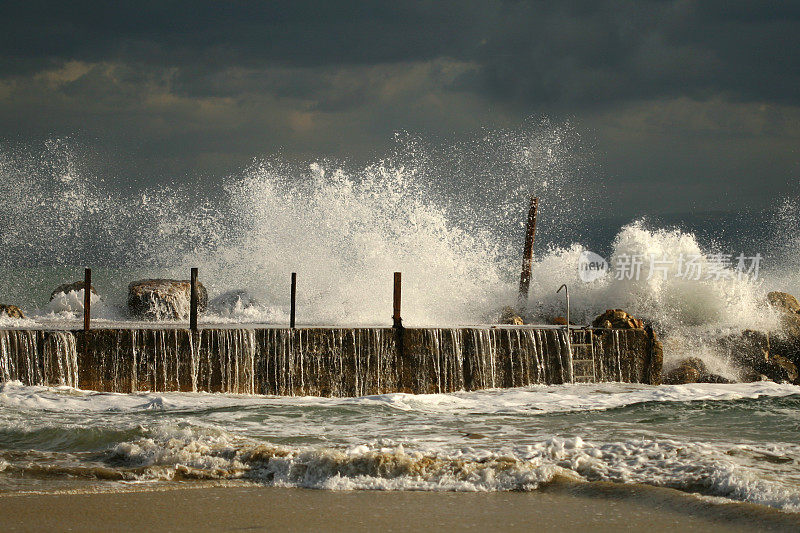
{"x":686,"y":105}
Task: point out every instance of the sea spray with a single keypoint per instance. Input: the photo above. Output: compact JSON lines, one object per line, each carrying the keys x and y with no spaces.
{"x":444,"y":215}
{"x":690,"y":313}
{"x":449,"y":218}
{"x":344,"y":237}
{"x":662,"y":296}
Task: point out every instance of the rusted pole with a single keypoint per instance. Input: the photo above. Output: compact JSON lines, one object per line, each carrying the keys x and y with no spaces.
{"x":294,"y":300}
{"x":193,"y":301}
{"x":398,"y":322}
{"x":399,"y":330}
{"x":87,"y":298}
{"x":527,"y":255}
{"x":566,"y":294}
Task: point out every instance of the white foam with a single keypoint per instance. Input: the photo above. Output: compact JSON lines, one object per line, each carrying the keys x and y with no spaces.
{"x":535,"y":399}
{"x":179,"y":452}
{"x":408,"y":442}
{"x":692,"y":313}
{"x":12,"y":323}
{"x":673,"y":301}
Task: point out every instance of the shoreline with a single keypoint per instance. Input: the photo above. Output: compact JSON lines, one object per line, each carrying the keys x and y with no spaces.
{"x":564,"y":506}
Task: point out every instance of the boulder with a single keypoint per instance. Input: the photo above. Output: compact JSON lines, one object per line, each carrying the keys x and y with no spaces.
{"x":790,"y":326}
{"x":782,"y":369}
{"x":617,"y":319}
{"x":714,"y":378}
{"x":758,"y":354}
{"x":510,"y":316}
{"x":163,"y":299}
{"x":784,"y":302}
{"x":69,"y":287}
{"x":688,"y":371}
{"x":789,"y":310}
{"x":786,"y":343}
{"x":233,"y":302}
{"x":692,"y":370}
{"x":11,"y":311}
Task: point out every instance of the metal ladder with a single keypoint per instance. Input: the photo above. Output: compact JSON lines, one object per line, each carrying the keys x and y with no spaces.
{"x":582,"y":368}
{"x":583,"y":361}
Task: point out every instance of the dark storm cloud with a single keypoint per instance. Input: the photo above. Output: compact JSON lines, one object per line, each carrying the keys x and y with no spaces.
{"x":224,"y":33}
{"x":207,"y":84}
{"x":568,"y":52}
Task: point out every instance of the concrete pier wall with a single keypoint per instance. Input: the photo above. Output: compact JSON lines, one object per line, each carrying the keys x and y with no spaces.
{"x":326,"y":361}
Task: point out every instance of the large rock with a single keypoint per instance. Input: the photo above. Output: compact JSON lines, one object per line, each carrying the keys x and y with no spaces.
{"x":790,"y":328}
{"x":759,"y":355}
{"x":784,"y":302}
{"x":692,"y":370}
{"x":69,"y":287}
{"x":617,"y":319}
{"x":688,"y":371}
{"x":787,"y":341}
{"x":163,"y":299}
{"x":11,"y":311}
{"x":783,"y":369}
{"x":789,"y":310}
{"x":509,"y":316}
{"x":234,"y":302}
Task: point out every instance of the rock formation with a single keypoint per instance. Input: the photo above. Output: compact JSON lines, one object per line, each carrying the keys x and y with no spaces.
{"x":786,"y":344}
{"x":617,"y":319}
{"x":789,"y":310}
{"x":11,"y":311}
{"x":758,"y":354}
{"x":784,"y":302}
{"x":692,"y":370}
{"x":69,"y":287}
{"x":510,"y":316}
{"x":163,"y":299}
{"x":232,"y":302}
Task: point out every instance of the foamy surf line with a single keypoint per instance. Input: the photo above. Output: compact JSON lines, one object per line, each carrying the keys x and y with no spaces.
{"x":542,"y":399}
{"x":403,"y":442}
{"x":183,"y":455}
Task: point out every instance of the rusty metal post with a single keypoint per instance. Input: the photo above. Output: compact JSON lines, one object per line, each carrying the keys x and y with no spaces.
{"x":527,"y":255}
{"x":294,"y":300}
{"x":398,"y":322}
{"x":193,"y":301}
{"x":566,"y":294}
{"x":87,"y":299}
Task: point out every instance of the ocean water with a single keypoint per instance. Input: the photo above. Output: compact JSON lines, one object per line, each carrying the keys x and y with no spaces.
{"x":452,"y":220}
{"x":727,"y":443}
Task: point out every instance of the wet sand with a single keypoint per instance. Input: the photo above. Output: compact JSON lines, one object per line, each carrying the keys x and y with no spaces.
{"x":595,"y":506}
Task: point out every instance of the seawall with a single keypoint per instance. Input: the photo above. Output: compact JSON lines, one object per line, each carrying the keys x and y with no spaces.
{"x":326,"y":361}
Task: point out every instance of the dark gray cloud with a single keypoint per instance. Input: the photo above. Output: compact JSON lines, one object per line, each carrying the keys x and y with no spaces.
{"x":699,"y":93}
{"x":569,"y":52}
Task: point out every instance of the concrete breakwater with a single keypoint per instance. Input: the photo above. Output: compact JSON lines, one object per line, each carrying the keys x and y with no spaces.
{"x":326,"y":361}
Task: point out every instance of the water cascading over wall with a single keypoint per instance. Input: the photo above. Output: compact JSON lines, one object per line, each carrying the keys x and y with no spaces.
{"x":39,"y":357}
{"x":322,"y":361}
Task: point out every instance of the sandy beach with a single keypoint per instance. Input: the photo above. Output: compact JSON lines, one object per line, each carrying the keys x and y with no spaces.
{"x":596,"y":507}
